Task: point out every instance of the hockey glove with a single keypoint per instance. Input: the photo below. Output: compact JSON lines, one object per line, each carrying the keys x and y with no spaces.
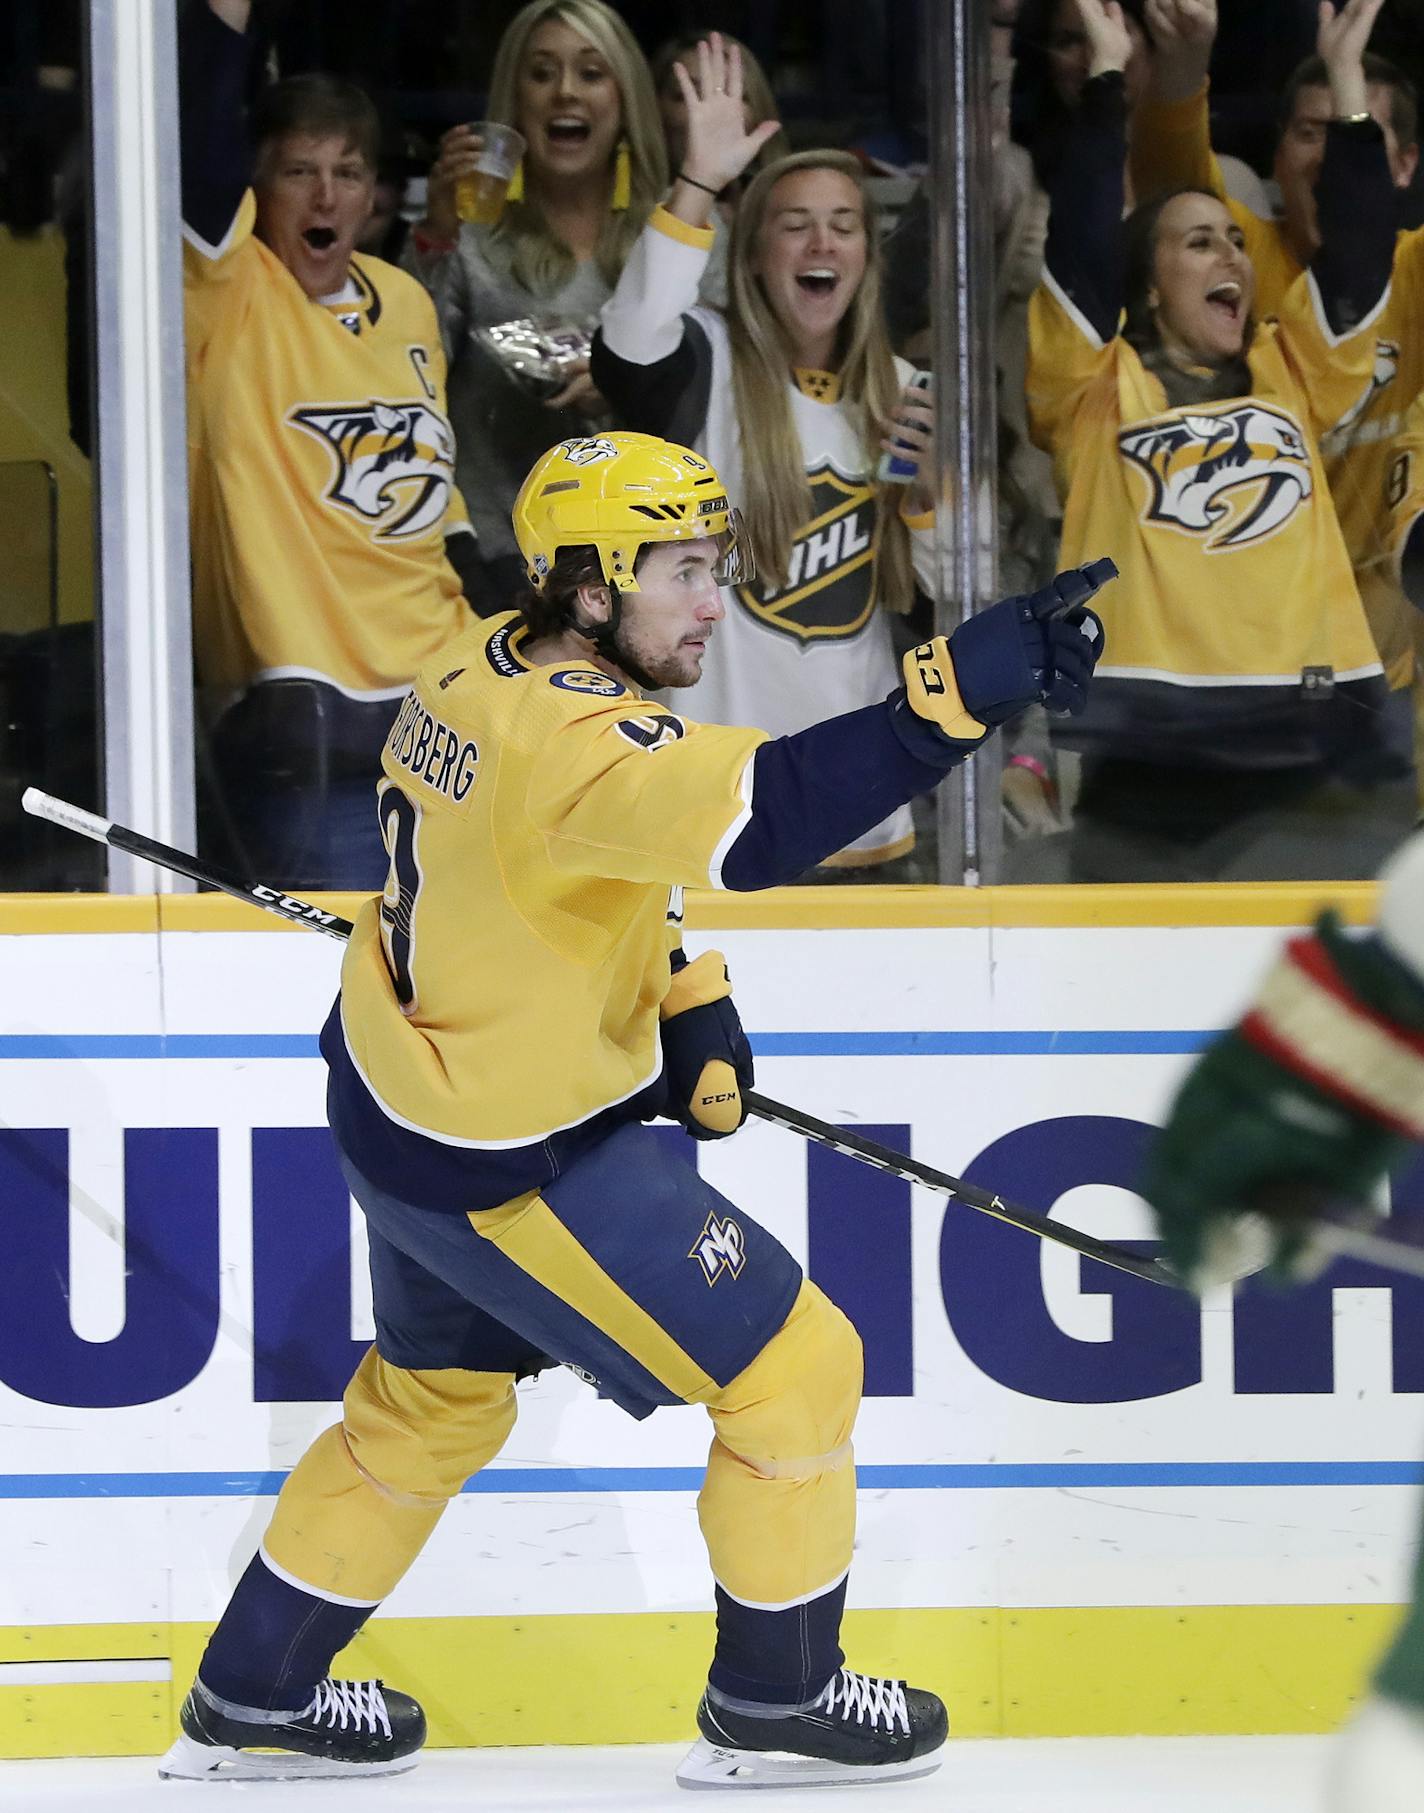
{"x":1296,"y":1113}
{"x":1039,"y":649}
{"x":706,"y":1057}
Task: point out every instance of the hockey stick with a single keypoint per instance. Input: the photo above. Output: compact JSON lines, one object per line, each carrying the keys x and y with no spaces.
{"x":839,"y":1139}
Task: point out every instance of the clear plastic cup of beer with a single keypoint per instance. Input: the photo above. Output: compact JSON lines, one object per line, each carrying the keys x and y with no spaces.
{"x":479,"y":196}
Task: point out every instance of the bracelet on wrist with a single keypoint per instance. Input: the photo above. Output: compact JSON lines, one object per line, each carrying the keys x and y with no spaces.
{"x":693,"y":183}
{"x":1034,"y":766}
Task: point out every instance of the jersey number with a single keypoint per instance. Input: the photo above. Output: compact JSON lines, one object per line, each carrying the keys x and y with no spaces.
{"x":1397,"y":488}
{"x":400,"y":824}
{"x":654,"y":732}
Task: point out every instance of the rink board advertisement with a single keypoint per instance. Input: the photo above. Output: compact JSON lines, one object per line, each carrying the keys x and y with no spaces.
{"x":1059,"y":1464}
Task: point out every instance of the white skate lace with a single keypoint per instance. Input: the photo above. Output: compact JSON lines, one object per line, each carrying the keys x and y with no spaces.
{"x":867,"y":1699}
{"x":360,"y":1704}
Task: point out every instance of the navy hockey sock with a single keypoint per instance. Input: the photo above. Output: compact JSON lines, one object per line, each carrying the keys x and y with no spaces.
{"x":776,"y":1659}
{"x":275,"y":1642}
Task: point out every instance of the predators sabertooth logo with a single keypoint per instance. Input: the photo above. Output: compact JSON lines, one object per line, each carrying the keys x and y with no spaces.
{"x":394,"y":463}
{"x":1236,"y":476}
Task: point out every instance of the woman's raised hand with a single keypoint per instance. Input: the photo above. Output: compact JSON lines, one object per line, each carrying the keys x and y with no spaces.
{"x":1181,"y":23}
{"x":1107,"y":34}
{"x":719,"y":147}
{"x":1182,"y":34}
{"x":1341,"y":39}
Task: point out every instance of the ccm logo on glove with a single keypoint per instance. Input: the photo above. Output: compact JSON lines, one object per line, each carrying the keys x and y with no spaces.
{"x":706,"y":1057}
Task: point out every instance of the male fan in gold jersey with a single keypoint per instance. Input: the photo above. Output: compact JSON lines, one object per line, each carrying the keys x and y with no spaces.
{"x":514,"y":1008}
{"x":325,"y":519}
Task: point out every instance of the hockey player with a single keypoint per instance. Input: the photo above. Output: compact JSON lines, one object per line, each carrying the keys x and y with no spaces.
{"x":1307,"y":1103}
{"x":513,"y":1009}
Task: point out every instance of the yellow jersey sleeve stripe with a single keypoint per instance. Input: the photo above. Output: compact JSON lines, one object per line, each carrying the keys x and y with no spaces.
{"x":531,"y":1236}
{"x":666,"y":222}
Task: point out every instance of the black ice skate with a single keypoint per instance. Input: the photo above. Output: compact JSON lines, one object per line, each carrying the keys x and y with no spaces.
{"x":351,"y":1728}
{"x":860,"y":1729}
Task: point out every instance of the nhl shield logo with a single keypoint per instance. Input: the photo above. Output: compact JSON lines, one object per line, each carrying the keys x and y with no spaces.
{"x":720,"y":1247}
{"x":394,"y":463}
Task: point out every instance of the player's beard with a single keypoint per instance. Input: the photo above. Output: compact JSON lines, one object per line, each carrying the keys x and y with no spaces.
{"x":647,"y":671}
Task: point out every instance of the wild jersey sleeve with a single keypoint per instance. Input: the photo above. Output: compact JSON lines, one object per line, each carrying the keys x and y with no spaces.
{"x":623,"y":789}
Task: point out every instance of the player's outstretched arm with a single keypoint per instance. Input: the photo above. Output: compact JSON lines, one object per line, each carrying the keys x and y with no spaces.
{"x":1302,"y":1107}
{"x":817,"y":791}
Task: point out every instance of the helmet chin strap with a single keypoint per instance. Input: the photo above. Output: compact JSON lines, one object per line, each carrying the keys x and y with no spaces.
{"x":606,"y":639}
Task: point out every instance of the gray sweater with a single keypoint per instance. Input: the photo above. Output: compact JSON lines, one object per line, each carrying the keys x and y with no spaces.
{"x":501,"y":428}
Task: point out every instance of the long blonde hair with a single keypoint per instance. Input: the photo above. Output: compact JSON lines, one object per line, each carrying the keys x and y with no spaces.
{"x":776,"y":499}
{"x":536,"y":257}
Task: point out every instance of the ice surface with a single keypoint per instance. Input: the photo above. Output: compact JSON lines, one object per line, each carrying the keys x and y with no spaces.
{"x":1057,"y":1775}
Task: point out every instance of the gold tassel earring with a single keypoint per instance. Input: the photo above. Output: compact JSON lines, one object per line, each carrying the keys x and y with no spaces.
{"x":622,"y":178}
{"x":515,"y":191}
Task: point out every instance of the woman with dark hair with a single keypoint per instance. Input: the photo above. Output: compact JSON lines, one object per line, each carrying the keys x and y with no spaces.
{"x":1240,"y":709}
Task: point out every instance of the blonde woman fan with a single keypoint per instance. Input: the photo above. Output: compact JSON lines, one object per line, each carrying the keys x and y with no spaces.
{"x":570,"y":78}
{"x":791,"y":395}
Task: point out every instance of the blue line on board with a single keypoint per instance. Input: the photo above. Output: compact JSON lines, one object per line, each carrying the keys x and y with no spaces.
{"x":927,"y":1044}
{"x":909,"y":1477}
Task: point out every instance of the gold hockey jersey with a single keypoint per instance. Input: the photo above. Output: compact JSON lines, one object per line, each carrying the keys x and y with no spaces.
{"x":1234,"y":570}
{"x":321,"y":474}
{"x":1171,"y":147}
{"x":507,"y":986}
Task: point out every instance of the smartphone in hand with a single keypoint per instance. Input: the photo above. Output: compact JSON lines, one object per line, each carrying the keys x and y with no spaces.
{"x":893,"y":470}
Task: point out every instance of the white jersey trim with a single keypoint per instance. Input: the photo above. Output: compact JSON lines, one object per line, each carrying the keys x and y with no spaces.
{"x":735,"y":829}
{"x":305,"y":1586}
{"x":1171,"y":679}
{"x":494,"y":1145}
{"x":1072,"y":311}
{"x":783,"y":1605}
{"x":1328,"y":333}
{"x":205,"y":248}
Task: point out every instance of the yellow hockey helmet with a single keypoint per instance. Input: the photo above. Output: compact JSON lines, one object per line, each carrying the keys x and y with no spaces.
{"x":614,"y":492}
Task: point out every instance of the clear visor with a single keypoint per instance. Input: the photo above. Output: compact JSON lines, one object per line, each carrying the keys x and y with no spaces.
{"x":736,"y":564}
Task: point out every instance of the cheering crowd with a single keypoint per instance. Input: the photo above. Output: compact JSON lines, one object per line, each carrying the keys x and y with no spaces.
{"x":1206,"y":366}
